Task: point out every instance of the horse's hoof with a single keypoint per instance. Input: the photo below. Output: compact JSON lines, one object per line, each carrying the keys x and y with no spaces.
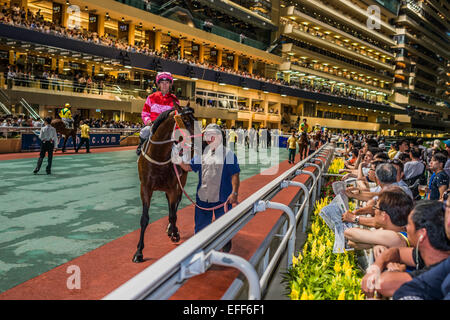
{"x":175,"y":237}
{"x":138,"y":258}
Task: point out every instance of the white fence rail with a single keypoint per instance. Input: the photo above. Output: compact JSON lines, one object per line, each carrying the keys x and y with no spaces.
{"x":163,"y":278}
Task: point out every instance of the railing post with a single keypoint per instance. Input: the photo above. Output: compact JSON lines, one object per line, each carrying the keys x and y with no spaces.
{"x":234,"y":261}
{"x":319,"y":184}
{"x":264,"y":205}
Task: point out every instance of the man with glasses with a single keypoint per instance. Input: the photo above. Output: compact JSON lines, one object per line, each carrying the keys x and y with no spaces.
{"x":391,"y":216}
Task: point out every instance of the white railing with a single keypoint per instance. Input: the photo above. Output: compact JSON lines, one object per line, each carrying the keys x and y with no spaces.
{"x":163,"y":278}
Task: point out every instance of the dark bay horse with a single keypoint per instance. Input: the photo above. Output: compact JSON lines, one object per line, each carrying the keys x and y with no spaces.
{"x":61,"y":128}
{"x":303,"y":145}
{"x":156,"y":171}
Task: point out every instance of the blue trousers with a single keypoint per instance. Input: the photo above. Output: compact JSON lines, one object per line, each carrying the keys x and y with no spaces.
{"x":204,"y":217}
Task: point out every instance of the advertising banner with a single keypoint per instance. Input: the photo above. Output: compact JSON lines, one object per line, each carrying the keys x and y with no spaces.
{"x":31,"y":142}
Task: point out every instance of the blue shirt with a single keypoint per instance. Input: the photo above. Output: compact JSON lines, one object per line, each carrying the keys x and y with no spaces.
{"x":230,"y":167}
{"x":436,"y":181}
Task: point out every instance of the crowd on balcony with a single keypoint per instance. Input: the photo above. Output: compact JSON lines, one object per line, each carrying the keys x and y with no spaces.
{"x":18,"y":17}
{"x":404,"y":217}
{"x":25,"y":121}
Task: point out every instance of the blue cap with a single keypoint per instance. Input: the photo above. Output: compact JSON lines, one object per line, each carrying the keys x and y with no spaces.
{"x":447,"y":142}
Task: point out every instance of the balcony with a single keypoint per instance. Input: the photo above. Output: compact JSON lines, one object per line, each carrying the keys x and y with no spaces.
{"x":405,"y":20}
{"x":294,"y":14}
{"x":332,"y":77}
{"x":336,"y":46}
{"x":347,"y":20}
{"x":153,"y":62}
{"x":393,"y":4}
{"x":215,"y":29}
{"x":337,"y":60}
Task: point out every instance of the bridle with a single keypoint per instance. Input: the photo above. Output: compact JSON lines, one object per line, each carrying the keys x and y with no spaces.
{"x":182,"y":128}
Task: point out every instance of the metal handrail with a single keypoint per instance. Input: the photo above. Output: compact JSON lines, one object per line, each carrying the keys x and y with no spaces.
{"x":162,"y":278}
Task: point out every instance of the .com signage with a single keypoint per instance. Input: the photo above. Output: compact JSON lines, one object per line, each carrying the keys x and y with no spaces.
{"x":32,"y":142}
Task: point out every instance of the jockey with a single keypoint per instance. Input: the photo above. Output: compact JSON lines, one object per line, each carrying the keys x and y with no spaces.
{"x":156,"y":103}
{"x":66,"y":116}
{"x":303,"y":126}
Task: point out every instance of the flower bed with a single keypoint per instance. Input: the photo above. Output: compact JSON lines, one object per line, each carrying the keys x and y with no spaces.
{"x":317,"y":273}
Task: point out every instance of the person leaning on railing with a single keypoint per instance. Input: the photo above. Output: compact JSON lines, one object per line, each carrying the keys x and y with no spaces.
{"x":429,"y":246}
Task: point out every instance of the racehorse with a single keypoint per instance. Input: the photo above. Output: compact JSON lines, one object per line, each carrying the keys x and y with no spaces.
{"x":156,"y":171}
{"x":303,"y":145}
{"x":61,"y":128}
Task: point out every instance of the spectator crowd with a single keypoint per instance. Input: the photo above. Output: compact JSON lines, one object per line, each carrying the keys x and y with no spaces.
{"x":404,"y":216}
{"x":26,"y":19}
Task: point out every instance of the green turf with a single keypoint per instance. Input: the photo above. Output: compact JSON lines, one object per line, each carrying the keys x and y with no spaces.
{"x":88,"y":201}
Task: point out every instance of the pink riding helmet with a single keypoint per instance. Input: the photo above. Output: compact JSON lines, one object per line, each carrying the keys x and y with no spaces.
{"x":164,"y":76}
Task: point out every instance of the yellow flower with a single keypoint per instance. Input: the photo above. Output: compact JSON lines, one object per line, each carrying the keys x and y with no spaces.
{"x":360,"y":295}
{"x":304,"y":295}
{"x":300,"y":257}
{"x":294,"y":294}
{"x":342,"y":295}
{"x":311,"y":296}
{"x":346,"y":265}
{"x":348,"y":272}
{"x":321,"y":250}
{"x":337,"y":266}
{"x":329,"y":244}
{"x":294,"y":260}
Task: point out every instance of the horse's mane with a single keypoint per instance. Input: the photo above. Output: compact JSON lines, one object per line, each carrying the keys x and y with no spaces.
{"x":161,"y":118}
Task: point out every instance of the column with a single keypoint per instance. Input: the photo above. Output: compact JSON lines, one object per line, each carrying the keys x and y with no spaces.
{"x":287,"y":76}
{"x":60,"y":65}
{"x":250,"y":66}
{"x":181,"y":48}
{"x":64,"y":15}
{"x":201,"y":53}
{"x":54,"y":64}
{"x":158,"y":37}
{"x":300,"y":108}
{"x":101,"y":25}
{"x":131,"y":33}
{"x":11,"y":57}
{"x":236,"y":62}
{"x":219,"y":57}
{"x":266,"y":112}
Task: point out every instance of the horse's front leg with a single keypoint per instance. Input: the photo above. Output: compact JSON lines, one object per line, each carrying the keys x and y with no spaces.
{"x":173,"y":199}
{"x":64,"y":145}
{"x":146,"y":196}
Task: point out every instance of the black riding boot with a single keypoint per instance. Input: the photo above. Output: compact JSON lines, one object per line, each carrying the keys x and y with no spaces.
{"x":141,"y":142}
{"x":38,"y":166}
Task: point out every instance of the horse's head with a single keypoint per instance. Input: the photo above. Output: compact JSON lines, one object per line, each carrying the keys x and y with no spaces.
{"x":76,"y":120}
{"x":185,"y":118}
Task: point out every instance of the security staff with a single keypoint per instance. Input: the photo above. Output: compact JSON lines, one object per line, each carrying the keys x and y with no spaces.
{"x":66,"y":115}
{"x":49,"y":139}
